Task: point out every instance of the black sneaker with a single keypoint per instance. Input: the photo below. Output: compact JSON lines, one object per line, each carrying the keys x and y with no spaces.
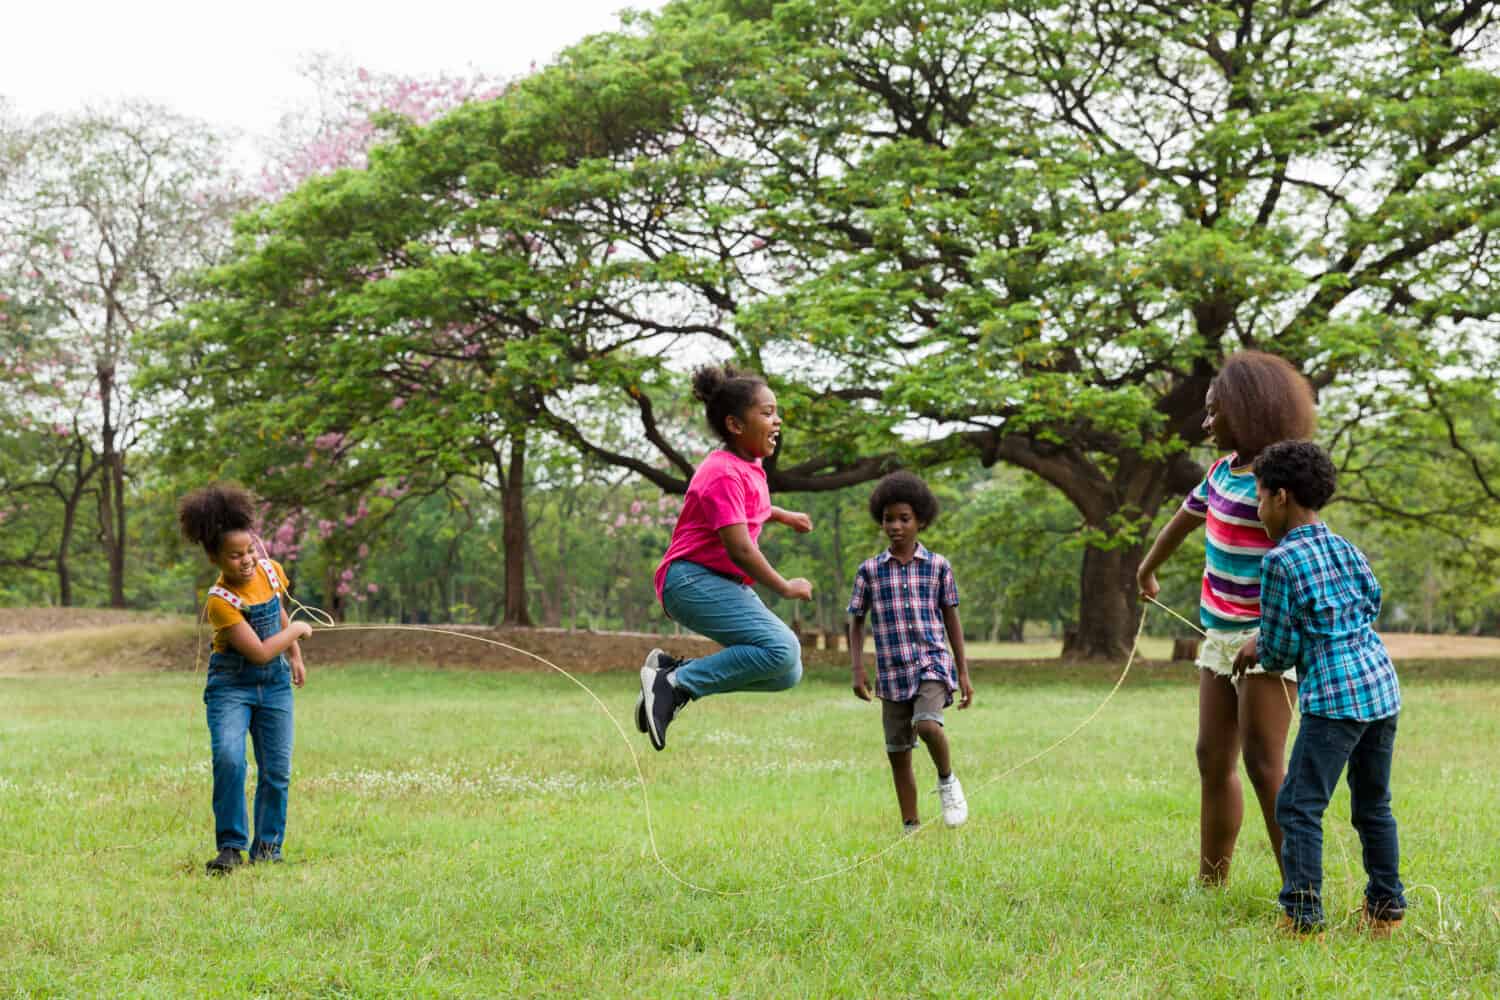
{"x":228,"y":860}
{"x":261,"y":853}
{"x":655,"y":660}
{"x":660,"y":701}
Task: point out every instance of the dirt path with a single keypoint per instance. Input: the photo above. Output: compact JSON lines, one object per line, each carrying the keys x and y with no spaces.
{"x":64,"y":640}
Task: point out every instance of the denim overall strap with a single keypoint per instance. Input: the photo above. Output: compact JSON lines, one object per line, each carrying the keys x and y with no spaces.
{"x":264,"y":618}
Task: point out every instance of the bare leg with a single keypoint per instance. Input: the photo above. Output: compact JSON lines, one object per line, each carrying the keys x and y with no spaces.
{"x":906,"y":784}
{"x":1265,"y":716}
{"x":937,"y":744}
{"x":1221,"y":805}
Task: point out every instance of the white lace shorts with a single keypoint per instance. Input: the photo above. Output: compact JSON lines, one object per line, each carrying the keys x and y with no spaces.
{"x":1217,"y":652}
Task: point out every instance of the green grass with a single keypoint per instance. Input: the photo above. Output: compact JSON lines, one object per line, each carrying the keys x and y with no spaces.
{"x":469,"y":834}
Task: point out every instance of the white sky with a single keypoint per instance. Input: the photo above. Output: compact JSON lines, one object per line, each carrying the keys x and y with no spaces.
{"x":235,"y":65}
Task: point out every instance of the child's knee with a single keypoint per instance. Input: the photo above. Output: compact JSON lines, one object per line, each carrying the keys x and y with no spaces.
{"x":1215,"y":761}
{"x":784,"y":659}
{"x":929,"y":730}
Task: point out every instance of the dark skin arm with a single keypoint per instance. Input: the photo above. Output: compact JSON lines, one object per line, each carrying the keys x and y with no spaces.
{"x":956,"y":643}
{"x":1183,"y":523}
{"x":249,"y":645}
{"x":859,"y":679}
{"x":744,"y":554}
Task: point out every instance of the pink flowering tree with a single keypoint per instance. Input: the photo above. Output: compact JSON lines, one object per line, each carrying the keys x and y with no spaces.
{"x":355,"y":109}
{"x":104,"y":215}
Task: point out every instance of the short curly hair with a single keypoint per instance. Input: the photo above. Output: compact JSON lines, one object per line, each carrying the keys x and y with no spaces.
{"x":908,"y":488}
{"x":209,"y":513}
{"x":1301,"y":468}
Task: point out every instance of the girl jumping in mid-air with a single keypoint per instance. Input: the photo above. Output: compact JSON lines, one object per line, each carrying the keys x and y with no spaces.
{"x":255,"y":662}
{"x":704,"y":579}
{"x":1255,"y":401}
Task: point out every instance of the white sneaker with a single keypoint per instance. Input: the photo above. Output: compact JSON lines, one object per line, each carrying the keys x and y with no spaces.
{"x":955,"y":806}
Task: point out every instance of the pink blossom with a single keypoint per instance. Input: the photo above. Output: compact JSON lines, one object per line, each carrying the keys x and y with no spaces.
{"x":373,"y":588}
{"x":398,"y":402}
{"x":364,"y":551}
{"x":325,"y":528}
{"x":621,"y":521}
{"x":757,"y":244}
{"x":67,"y":252}
{"x":343,"y":590}
{"x":329,"y":441}
{"x":4,"y":297}
{"x":347,"y":575}
{"x":635,"y":507}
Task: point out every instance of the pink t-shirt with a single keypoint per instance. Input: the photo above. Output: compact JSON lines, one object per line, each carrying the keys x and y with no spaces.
{"x":725,"y":490}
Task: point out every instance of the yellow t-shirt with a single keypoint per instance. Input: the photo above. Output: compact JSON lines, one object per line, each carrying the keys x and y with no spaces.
{"x":223,"y":616}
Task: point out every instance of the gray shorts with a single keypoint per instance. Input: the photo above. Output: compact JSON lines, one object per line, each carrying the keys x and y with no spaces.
{"x":900,"y":718}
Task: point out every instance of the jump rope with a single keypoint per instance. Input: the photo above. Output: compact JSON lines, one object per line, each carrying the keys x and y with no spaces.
{"x":326,"y":623}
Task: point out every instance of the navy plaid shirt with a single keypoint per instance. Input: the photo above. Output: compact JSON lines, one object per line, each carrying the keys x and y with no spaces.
{"x":906,"y":604}
{"x":1318,"y":600}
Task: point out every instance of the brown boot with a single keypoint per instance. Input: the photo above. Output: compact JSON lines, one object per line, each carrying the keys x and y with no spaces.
{"x":1379,"y":924}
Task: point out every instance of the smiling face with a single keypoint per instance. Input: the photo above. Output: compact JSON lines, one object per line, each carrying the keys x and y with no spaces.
{"x":756,"y":432}
{"x":1215,"y":424}
{"x":236,"y":558}
{"x":900,"y":524}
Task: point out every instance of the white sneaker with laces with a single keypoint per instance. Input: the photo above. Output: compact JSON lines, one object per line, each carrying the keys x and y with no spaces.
{"x":955,"y":806}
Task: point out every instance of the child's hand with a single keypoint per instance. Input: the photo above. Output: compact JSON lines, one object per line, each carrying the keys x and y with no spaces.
{"x":799,"y":589}
{"x":1244,"y":659}
{"x":1147,"y":584}
{"x":861,"y":682}
{"x":301,"y":629}
{"x":797,"y":521}
{"x":299,"y":672}
{"x":965,"y":691}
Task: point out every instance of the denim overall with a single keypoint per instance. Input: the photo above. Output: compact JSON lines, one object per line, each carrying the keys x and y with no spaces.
{"x":245,"y":697}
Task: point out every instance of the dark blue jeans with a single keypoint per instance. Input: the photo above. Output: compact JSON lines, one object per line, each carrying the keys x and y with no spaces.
{"x":256,"y":700}
{"x":1323,"y":747}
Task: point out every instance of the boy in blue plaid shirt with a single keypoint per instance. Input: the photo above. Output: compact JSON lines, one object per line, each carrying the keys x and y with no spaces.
{"x":1318,"y":600}
{"x":911,"y":597}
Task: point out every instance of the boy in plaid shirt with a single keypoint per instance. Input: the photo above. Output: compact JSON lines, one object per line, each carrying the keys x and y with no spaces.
{"x":913,"y":601}
{"x":1318,"y":601}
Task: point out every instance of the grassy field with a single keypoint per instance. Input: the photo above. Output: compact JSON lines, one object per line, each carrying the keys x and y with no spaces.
{"x":470,"y":834}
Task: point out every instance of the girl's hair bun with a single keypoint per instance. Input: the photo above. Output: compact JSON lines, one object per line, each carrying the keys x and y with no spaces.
{"x":708,"y":380}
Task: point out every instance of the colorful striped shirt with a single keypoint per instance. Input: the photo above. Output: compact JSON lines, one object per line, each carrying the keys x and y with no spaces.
{"x":1320,"y":602}
{"x":1234,"y":543}
{"x":906,"y":605}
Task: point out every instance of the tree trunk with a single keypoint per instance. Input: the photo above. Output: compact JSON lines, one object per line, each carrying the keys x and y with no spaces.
{"x":112,"y":490}
{"x":1107,"y":607}
{"x":513,"y":507}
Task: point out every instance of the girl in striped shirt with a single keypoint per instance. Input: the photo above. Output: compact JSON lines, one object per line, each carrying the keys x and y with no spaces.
{"x":1256,"y":400}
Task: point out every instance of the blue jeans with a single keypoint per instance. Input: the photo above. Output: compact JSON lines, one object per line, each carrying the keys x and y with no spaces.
{"x":245,"y":698}
{"x":1322,"y":749}
{"x":760,"y":653}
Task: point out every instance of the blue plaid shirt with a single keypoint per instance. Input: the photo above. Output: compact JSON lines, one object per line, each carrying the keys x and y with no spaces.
{"x":906,"y":604}
{"x":1318,"y":599}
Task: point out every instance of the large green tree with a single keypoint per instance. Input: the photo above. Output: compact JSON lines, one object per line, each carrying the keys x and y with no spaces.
{"x":1031,"y":230}
{"x":1023,"y":231}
